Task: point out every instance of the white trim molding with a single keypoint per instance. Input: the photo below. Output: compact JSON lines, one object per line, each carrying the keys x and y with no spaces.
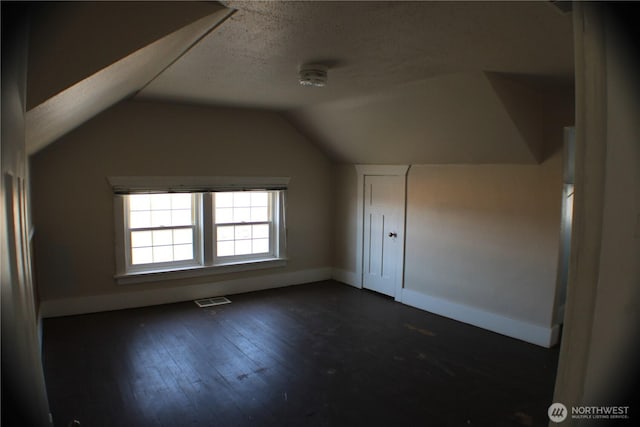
{"x":123,"y":300}
{"x":144,"y":184}
{"x":378,"y":170}
{"x":346,"y":277}
{"x":205,"y":260}
{"x":382,"y":170}
{"x":514,"y":328}
{"x":198,"y":271}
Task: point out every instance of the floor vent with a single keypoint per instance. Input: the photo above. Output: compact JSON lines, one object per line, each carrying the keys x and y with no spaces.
{"x":209,"y":302}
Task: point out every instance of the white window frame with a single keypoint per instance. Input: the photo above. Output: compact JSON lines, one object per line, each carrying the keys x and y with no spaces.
{"x":196,"y":220}
{"x":274,"y":215}
{"x":205,"y":261}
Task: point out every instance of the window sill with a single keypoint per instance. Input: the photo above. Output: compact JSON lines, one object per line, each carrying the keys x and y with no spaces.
{"x":197,"y":271}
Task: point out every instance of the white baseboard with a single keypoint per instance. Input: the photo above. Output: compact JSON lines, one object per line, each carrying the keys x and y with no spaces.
{"x":525,"y":331}
{"x":555,"y":335}
{"x":348,"y":277}
{"x":119,"y":301}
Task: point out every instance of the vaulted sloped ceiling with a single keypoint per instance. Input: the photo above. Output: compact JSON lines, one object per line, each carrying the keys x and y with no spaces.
{"x":454,"y":118}
{"x":253,"y":59}
{"x":70,"y":41}
{"x":88,"y":79}
{"x":409,"y":82}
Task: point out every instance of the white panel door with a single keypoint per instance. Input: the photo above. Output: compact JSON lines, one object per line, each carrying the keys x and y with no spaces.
{"x":383,"y":233}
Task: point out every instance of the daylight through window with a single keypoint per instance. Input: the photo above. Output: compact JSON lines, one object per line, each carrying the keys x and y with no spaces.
{"x":243,"y":223}
{"x":161,"y":228}
{"x":173,"y":231}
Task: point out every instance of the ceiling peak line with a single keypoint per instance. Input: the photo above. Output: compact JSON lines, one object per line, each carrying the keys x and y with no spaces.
{"x":91,"y":96}
{"x":216,"y":25}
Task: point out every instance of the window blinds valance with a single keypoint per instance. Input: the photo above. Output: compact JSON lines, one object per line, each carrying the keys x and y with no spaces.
{"x":194,"y":184}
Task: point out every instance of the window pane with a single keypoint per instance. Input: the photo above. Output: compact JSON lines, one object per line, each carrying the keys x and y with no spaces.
{"x":241,"y":214}
{"x":260,"y":199}
{"x":243,"y":247}
{"x":243,"y":232}
{"x":162,"y":237}
{"x":260,"y":246}
{"x":226,"y":248}
{"x":160,"y":218}
{"x":170,"y":233}
{"x":182,"y":252}
{"x":139,"y":202}
{"x":181,"y":201}
{"x":259,"y":214}
{"x":141,"y":256}
{"x":246,"y":207}
{"x":161,"y":212}
{"x":181,"y":217}
{"x":225,"y":233}
{"x":140,"y":238}
{"x":242,"y":199}
{"x":182,"y":236}
{"x":141,"y":219}
{"x":260,"y":231}
{"x":160,"y":201}
{"x":224,"y":215}
{"x":162,"y":253}
{"x":224,"y":200}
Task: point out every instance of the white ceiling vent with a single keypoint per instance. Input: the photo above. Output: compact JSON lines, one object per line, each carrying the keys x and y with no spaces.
{"x":209,"y":302}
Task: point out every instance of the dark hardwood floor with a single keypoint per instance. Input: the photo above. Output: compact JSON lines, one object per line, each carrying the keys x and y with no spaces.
{"x":323,"y":354}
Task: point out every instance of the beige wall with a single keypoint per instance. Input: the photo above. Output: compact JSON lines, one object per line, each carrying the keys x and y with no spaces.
{"x":486,"y":236}
{"x":24,"y":397}
{"x":615,"y":346}
{"x":73,"y":204}
{"x":482,"y":236}
{"x":345,"y":211}
{"x":598,"y":359}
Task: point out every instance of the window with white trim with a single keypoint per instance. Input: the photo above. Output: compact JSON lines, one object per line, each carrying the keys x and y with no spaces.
{"x":162,"y":230}
{"x":162,"y":233}
{"x":244,"y":225}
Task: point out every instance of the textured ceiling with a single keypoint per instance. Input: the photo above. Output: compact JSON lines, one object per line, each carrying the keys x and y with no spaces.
{"x":456,"y":109}
{"x":121,"y":79}
{"x":70,"y":41}
{"x":409,"y":82}
{"x":253,"y":59}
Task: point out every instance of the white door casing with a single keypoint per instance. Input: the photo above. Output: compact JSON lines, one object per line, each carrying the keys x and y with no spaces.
{"x":381,"y":227}
{"x":382,"y":210}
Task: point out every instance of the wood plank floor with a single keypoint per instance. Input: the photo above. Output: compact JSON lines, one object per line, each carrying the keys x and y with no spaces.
{"x":323,"y":354}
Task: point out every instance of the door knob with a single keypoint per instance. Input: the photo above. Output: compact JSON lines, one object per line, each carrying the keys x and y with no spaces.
{"x":393,"y":234}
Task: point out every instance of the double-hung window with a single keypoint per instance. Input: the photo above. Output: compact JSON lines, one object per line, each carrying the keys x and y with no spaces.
{"x":244,"y":225}
{"x":162,"y":230}
{"x":170,"y":230}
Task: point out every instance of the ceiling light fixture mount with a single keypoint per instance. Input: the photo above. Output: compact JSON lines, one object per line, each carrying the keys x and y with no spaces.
{"x":313,"y":75}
